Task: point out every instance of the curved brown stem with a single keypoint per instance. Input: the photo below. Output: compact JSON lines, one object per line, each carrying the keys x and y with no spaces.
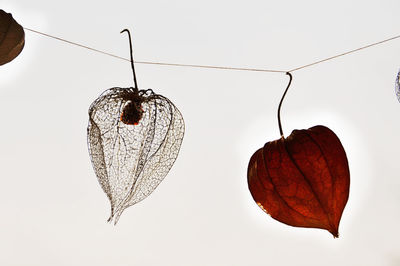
{"x":131,"y":49}
{"x":280,"y":104}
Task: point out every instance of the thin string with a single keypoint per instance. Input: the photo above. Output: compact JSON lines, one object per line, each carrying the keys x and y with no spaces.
{"x":345,"y":53}
{"x":157,"y":63}
{"x":77,"y":44}
{"x":218,"y":67}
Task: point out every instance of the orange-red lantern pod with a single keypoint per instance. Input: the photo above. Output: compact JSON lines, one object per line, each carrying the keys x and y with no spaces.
{"x":302,"y":180}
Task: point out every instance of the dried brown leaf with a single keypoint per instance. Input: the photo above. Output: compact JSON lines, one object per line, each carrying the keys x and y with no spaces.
{"x":12,"y":38}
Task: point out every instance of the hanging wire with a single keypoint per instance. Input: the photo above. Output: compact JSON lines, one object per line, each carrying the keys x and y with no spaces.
{"x":345,"y":53}
{"x":218,"y":67}
{"x":156,"y":63}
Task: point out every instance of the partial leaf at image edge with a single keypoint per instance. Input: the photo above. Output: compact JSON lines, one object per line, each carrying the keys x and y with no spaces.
{"x":12,"y":38}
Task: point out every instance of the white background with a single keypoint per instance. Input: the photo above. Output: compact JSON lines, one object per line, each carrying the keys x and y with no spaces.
{"x":53,"y":211}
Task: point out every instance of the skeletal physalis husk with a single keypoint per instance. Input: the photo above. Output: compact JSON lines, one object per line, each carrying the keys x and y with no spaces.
{"x":134,"y":137}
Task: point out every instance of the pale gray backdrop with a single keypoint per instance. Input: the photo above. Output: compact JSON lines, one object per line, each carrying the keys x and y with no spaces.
{"x":53,"y":209}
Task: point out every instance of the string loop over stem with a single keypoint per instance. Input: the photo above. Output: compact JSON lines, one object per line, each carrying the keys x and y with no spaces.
{"x":280,"y":104}
{"x":131,"y":50}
